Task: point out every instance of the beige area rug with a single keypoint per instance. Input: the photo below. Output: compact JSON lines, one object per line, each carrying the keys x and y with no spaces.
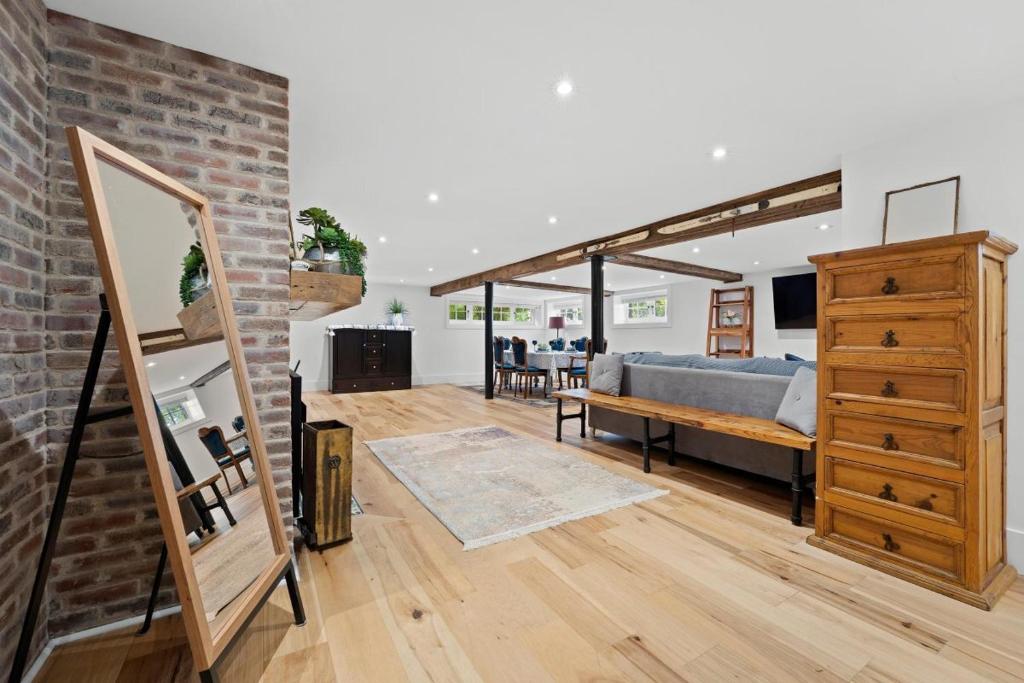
{"x":487,"y":485}
{"x":229,"y":562}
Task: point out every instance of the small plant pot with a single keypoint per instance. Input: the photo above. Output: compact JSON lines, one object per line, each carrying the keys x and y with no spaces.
{"x":199,"y":285}
{"x":397,"y":319}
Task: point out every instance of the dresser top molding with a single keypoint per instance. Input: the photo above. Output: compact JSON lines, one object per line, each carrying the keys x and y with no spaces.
{"x":962,"y":238}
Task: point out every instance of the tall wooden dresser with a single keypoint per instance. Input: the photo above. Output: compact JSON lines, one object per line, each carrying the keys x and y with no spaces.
{"x":911,"y":412}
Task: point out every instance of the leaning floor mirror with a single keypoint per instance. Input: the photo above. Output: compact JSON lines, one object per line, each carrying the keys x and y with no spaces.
{"x":190,"y":392}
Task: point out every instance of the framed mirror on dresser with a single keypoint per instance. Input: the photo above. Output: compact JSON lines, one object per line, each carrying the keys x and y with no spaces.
{"x":190,"y":393}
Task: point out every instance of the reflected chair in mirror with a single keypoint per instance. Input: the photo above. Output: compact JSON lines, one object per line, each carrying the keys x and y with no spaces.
{"x":524,"y":371}
{"x":225,"y":457}
{"x":238,"y":424}
{"x":502,"y":371}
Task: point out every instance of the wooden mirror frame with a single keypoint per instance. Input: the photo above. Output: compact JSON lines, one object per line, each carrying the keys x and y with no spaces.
{"x":956,"y":203}
{"x":207,"y":646}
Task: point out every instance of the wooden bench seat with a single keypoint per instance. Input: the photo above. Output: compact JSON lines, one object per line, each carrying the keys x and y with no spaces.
{"x":743,"y":426}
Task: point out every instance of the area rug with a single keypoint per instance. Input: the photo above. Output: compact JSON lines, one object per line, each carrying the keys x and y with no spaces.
{"x":487,"y":485}
{"x":537,"y":399}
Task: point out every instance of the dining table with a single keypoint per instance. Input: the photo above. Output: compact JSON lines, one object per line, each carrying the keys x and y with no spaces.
{"x":549,"y":361}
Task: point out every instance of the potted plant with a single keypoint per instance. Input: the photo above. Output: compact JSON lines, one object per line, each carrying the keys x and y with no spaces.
{"x":330,"y":248}
{"x":195,"y":276}
{"x":396,"y":311}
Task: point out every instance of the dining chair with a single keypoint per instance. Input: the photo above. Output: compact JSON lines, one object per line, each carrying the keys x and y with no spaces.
{"x":580,"y":344}
{"x":223,"y":455}
{"x":502,"y":371}
{"x":578,"y":374}
{"x":523,"y":370}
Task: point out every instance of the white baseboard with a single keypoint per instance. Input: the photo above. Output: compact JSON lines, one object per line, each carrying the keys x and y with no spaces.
{"x":54,"y":643}
{"x":1015,"y":547}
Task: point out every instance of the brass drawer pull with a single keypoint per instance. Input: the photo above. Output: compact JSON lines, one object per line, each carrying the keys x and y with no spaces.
{"x":889,"y":390}
{"x":889,"y":444}
{"x":890,"y":339}
{"x":890,"y":545}
{"x":887,"y":493}
{"x":890,"y":286}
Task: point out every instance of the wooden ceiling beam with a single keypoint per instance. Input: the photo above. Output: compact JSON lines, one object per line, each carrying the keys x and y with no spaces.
{"x":551,"y":286}
{"x":668,"y":266}
{"x":802,"y":198}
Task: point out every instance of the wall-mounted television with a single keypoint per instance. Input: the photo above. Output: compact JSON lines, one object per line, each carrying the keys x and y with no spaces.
{"x":795,"y":299}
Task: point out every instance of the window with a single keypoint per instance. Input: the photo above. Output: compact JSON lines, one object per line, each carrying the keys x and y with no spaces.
{"x":457,"y":311}
{"x":502,"y":314}
{"x":478,"y":312}
{"x":180,"y":410}
{"x":643,"y":308}
{"x":471,"y":314}
{"x":572,"y":311}
{"x":523,"y":314}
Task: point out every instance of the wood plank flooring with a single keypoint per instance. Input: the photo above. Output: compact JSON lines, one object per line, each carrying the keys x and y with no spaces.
{"x":709,"y":583}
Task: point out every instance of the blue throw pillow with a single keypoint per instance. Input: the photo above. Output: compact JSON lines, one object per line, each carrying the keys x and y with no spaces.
{"x":790,"y":356}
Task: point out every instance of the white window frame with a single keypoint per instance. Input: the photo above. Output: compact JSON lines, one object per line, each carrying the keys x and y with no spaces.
{"x":474,"y":307}
{"x":620,"y":307}
{"x":190,"y":402}
{"x":559,"y":306}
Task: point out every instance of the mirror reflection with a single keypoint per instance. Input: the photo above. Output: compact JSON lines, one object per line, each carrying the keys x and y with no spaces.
{"x":194,"y":387}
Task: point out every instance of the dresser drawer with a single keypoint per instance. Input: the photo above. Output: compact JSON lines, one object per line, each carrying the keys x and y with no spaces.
{"x":372,"y":351}
{"x":373,"y":366}
{"x":896,"y":491}
{"x":935,"y":333}
{"x":348,"y":386}
{"x":931,"y":388}
{"x":937,"y":277}
{"x":896,"y":543}
{"x":934,"y":444}
{"x":374,"y":336}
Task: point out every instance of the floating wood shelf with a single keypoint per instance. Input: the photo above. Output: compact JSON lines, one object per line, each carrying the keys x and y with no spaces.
{"x":199,"y":320}
{"x":314,"y":295}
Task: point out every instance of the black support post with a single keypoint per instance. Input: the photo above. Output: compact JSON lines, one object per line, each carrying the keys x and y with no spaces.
{"x":488,"y":340}
{"x":597,"y":302}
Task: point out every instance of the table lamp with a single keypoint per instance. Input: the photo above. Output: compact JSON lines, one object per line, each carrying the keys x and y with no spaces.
{"x":556,"y":323}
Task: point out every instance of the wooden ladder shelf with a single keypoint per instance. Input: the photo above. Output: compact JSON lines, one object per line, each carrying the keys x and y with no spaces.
{"x":726,"y":305}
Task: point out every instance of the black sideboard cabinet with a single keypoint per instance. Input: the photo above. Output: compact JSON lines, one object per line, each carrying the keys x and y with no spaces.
{"x":371,"y":360}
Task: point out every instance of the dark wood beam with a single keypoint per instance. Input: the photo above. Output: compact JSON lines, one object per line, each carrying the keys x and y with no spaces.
{"x":802,"y":198}
{"x":668,"y":266}
{"x":551,"y":286}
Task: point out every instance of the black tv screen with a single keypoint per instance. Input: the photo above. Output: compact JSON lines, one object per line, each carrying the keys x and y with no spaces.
{"x":795,"y":301}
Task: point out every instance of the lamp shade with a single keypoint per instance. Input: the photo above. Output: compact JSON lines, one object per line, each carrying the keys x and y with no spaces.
{"x":556,"y":322}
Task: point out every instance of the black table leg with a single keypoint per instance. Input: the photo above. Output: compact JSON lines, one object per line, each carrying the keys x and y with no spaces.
{"x":583,"y":420}
{"x":797,"y":486}
{"x":647,"y":445}
{"x":558,"y":421}
{"x":672,"y":444}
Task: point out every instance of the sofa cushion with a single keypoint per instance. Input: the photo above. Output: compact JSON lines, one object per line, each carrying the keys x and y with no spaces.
{"x":756,"y":366}
{"x":606,"y":373}
{"x":799,"y":407}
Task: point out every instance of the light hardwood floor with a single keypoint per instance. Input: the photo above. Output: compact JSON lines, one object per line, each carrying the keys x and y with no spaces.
{"x":709,"y":583}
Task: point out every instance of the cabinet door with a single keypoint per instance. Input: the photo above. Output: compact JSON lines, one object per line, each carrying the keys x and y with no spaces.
{"x":348,"y":353}
{"x":397,"y":353}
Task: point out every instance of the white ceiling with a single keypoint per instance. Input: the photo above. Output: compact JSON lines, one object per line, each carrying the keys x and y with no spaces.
{"x":393,"y":100}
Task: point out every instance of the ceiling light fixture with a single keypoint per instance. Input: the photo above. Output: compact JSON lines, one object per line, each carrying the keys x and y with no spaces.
{"x":719,"y":152}
{"x":181,"y":377}
{"x":696,"y":250}
{"x":382,"y":239}
{"x":552,"y":219}
{"x":824,"y":226}
{"x":553,"y":278}
{"x":757,"y":263}
{"x":430,"y":269}
{"x":662,"y":277}
{"x":401,"y":281}
{"x":150,"y":363}
{"x":475,"y":250}
{"x":563,"y":87}
{"x":433,"y":198}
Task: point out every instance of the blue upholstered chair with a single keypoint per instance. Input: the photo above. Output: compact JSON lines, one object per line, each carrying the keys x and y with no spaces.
{"x":225,"y":457}
{"x":523,"y":370}
{"x":506,"y":343}
{"x":502,"y":371}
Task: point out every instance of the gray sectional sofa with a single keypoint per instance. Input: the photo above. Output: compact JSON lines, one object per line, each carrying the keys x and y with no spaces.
{"x":673,"y":379}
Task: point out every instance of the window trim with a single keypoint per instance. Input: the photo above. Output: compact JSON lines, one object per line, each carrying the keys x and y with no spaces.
{"x":179,"y":397}
{"x":560,"y":304}
{"x":621,"y":301}
{"x":473,"y":303}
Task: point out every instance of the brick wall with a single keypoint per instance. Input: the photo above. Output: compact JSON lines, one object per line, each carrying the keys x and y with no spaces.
{"x":222,"y":129}
{"x":22,"y":361}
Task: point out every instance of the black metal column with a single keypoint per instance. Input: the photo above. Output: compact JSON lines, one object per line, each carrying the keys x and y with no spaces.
{"x":597,"y":302}
{"x":488,"y":340}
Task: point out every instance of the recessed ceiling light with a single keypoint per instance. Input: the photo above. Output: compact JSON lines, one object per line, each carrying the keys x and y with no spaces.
{"x":552,"y":219}
{"x":719,"y":152}
{"x":430,"y":269}
{"x":563,"y":87}
{"x":401,"y":281}
{"x":553,"y":278}
{"x":382,"y":239}
{"x":475,"y":250}
{"x":433,"y":197}
{"x":150,"y":363}
{"x":696,"y":250}
{"x":824,"y":226}
{"x":757,"y":263}
{"x":662,"y":277}
{"x":181,"y":377}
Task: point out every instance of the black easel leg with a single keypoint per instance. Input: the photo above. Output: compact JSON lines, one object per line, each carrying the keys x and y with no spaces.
{"x":157,"y":580}
{"x":223,"y":504}
{"x":647,"y":445}
{"x":60,"y":497}
{"x":296,"y":597}
{"x":796,"y":514}
{"x":207,"y":676}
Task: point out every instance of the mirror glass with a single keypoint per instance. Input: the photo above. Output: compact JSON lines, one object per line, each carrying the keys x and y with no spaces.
{"x":194,"y":386}
{"x":920,"y":212}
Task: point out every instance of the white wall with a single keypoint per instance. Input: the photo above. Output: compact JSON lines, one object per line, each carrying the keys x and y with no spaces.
{"x":986,"y":149}
{"x":688,"y":321}
{"x":440,"y":354}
